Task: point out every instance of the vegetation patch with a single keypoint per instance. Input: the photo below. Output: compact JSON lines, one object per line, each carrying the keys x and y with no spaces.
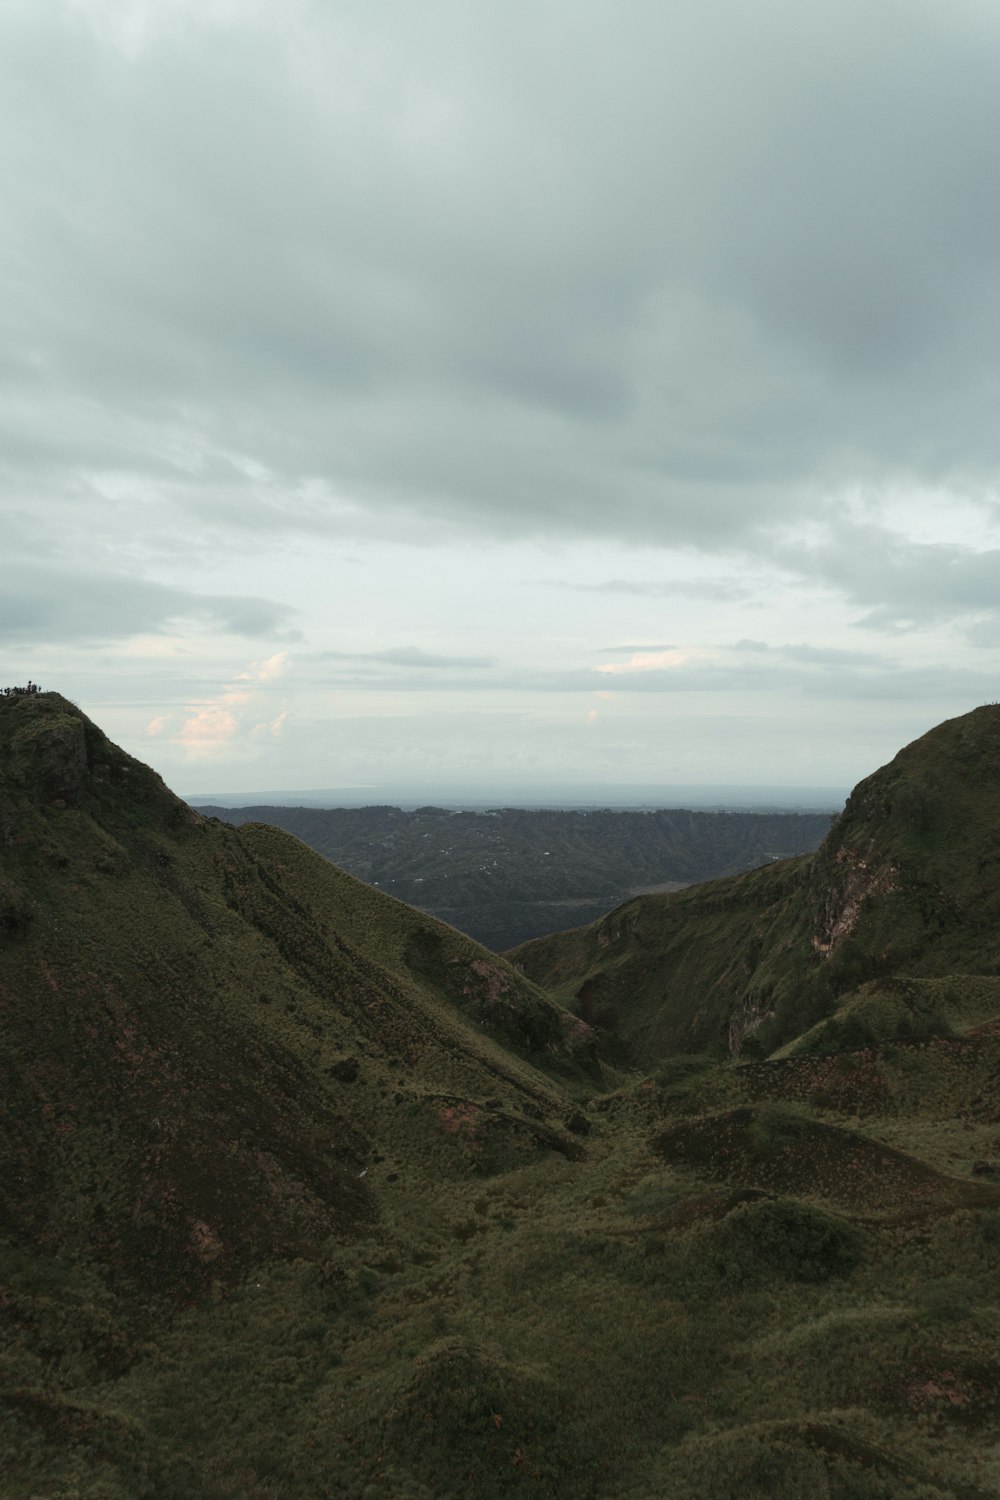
{"x":784,"y":1151}
{"x":780,"y":1238}
{"x":471,"y":1423}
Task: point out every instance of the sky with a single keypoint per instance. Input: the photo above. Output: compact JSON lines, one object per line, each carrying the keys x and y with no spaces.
{"x":475,"y":396}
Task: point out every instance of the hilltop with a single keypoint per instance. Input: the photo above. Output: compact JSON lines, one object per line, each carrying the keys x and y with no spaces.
{"x":308,"y":1195}
{"x":511,"y":874}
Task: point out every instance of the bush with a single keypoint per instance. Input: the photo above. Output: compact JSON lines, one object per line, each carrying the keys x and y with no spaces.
{"x":782,"y":1238}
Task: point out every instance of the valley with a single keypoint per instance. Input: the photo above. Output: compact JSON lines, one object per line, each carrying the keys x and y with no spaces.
{"x":509,"y":875}
{"x":307,"y":1194}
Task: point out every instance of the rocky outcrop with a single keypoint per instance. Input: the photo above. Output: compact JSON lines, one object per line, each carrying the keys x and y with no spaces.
{"x":856,"y":879}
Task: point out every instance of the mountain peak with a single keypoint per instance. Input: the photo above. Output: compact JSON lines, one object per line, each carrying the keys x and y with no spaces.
{"x":55,"y":756}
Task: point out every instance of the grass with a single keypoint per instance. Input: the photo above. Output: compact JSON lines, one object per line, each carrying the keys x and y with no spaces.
{"x":307,"y":1196}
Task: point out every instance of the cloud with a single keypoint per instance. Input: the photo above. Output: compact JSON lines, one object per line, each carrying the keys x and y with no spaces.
{"x":819,"y":656}
{"x":683,"y":303}
{"x":744,"y":668}
{"x":731,"y":590}
{"x":39,"y":603}
{"x":229,"y":720}
{"x":409,"y":656}
{"x":212,"y":724}
{"x":902,"y":584}
{"x":648,"y":661}
{"x":400,"y":267}
{"x":629,"y":650}
{"x":265,"y":671}
{"x":273,"y":728}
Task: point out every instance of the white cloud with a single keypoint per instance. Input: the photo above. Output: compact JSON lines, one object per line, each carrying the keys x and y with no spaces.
{"x":648,"y":661}
{"x":224,"y":725}
{"x":265,"y":671}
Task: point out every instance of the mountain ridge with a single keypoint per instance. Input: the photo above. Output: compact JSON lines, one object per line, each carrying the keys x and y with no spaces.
{"x":897,"y":886}
{"x":136,"y":927}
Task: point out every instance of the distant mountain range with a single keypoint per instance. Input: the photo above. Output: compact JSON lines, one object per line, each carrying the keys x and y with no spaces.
{"x":512,"y":874}
{"x":566,"y":796}
{"x":307,"y":1194}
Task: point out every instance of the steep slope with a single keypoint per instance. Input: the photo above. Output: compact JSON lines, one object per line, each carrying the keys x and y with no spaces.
{"x":210,"y":1035}
{"x":904,"y":883}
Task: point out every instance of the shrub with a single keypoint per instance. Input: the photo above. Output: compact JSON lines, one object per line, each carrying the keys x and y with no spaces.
{"x":780,"y":1238}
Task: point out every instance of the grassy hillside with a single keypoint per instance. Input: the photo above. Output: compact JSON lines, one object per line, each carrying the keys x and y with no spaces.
{"x":307,"y":1196}
{"x":904,"y":884}
{"x":209,"y":1034}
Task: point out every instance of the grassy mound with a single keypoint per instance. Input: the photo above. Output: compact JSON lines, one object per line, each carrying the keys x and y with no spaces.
{"x":784,"y":1151}
{"x":835,"y":1457}
{"x":902,"y":1009}
{"x":770,"y":1239}
{"x":471,"y":1423}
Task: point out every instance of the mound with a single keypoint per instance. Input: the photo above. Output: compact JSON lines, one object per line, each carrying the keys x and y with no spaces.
{"x":782,"y":1151}
{"x":469,"y":1422}
{"x":901,"y":1010}
{"x":836,"y":1456}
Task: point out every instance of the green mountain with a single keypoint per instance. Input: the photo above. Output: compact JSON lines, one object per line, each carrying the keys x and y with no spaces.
{"x":211,"y":1033}
{"x":903,"y":885}
{"x":305,"y":1195}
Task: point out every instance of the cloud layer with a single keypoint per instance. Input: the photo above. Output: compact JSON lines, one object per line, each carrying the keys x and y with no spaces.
{"x":668,"y":275}
{"x":626,"y":324}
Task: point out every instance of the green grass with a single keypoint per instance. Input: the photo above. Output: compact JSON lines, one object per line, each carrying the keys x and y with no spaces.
{"x":306,"y":1195}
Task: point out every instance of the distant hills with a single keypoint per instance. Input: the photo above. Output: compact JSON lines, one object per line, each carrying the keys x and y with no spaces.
{"x":511,"y":874}
{"x":306,"y":1194}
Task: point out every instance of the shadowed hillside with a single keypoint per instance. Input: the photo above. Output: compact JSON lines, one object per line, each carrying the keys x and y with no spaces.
{"x":209,"y":1034}
{"x":305,"y":1194}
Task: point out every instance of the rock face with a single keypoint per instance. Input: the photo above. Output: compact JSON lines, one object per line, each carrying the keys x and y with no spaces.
{"x":860,"y":877}
{"x":904,"y":883}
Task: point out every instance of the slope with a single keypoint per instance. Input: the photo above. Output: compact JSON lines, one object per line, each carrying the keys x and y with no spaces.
{"x":904,"y":883}
{"x":208,"y":1035}
{"x":297,"y":1204}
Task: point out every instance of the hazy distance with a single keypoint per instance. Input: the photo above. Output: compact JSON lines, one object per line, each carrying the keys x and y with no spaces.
{"x":582,"y":796}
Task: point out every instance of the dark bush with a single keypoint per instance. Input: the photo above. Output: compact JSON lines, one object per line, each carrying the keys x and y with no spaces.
{"x":783,"y":1238}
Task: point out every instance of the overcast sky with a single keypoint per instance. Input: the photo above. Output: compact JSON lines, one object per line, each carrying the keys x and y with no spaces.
{"x":555,"y":391}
